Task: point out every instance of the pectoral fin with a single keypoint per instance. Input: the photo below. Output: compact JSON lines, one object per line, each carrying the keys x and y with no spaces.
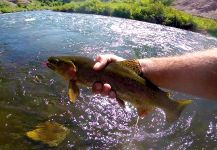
{"x":73,"y":91}
{"x":71,"y":73}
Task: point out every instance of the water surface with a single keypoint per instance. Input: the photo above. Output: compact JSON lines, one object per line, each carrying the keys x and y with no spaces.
{"x":30,"y":93}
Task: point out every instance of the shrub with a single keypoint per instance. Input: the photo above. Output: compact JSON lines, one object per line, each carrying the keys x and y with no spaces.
{"x":122,"y":11}
{"x":137,"y":14}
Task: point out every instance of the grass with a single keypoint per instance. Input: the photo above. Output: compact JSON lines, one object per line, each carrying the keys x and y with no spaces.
{"x":154,"y":11}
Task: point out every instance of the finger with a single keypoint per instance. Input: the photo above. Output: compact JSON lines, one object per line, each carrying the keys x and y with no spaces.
{"x":114,"y":58}
{"x":112,"y":94}
{"x":106,"y":89}
{"x":97,"y":87}
{"x":101,"y":62}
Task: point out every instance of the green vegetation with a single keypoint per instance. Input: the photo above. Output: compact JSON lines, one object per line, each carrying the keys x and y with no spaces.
{"x":154,"y":11}
{"x":206,"y":24}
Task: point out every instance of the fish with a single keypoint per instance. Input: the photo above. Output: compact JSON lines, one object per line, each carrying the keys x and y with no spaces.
{"x":125,"y":78}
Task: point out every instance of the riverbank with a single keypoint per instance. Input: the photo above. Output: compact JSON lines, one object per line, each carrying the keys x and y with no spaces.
{"x":147,"y":10}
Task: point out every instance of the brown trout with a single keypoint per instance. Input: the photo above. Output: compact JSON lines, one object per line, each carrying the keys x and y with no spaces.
{"x":124,"y":78}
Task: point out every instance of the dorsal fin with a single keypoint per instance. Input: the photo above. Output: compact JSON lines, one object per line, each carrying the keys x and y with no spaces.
{"x":132,"y":64}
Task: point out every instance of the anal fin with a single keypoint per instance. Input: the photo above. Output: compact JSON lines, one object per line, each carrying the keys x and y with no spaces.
{"x":143,"y":111}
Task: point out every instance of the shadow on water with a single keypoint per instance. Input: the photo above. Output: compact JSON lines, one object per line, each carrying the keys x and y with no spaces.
{"x":31,"y":94}
{"x":213,"y":32}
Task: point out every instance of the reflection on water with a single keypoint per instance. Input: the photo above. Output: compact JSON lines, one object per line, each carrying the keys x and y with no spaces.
{"x":30,"y":93}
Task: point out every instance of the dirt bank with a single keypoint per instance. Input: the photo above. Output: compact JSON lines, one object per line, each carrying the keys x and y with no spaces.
{"x":204,"y":8}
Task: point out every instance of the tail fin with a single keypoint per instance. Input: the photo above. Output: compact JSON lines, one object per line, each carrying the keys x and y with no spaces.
{"x":174,"y":113}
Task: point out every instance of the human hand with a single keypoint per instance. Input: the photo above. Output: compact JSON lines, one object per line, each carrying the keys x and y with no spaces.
{"x":101,"y":62}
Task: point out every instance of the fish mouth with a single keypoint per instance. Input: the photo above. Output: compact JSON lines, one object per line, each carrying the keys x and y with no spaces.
{"x":50,"y":65}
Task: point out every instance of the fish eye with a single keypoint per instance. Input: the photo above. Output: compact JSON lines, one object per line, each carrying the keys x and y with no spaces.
{"x":55,"y":61}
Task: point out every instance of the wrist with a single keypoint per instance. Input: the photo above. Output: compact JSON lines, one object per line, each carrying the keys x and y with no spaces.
{"x":152,"y":70}
{"x":146,"y":65}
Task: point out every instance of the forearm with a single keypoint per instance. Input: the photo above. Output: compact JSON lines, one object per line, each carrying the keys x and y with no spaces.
{"x":195,"y":73}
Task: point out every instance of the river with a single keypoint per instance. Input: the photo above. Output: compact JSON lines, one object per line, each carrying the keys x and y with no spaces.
{"x":30,"y":93}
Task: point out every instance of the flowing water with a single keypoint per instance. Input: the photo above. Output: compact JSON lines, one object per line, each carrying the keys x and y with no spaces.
{"x":30,"y":93}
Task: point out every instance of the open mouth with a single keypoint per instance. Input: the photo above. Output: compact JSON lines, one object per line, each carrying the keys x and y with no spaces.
{"x":51,"y":66}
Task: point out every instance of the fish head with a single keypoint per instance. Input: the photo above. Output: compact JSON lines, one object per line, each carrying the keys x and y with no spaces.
{"x":63,"y":66}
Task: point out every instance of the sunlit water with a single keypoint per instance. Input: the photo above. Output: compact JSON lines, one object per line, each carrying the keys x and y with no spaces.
{"x":30,"y":93}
